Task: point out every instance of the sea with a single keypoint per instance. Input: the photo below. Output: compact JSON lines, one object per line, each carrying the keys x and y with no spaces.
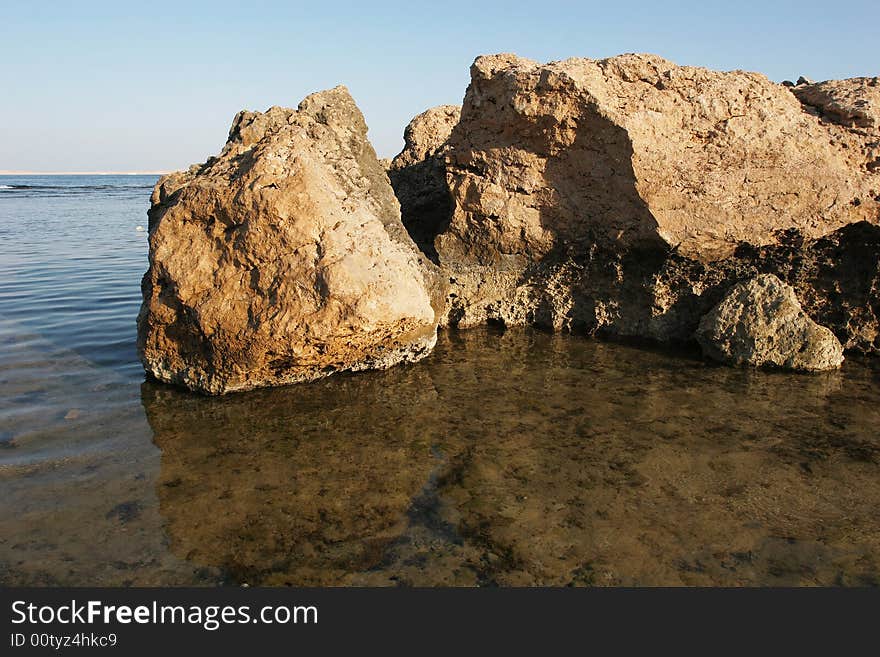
{"x":507,"y":458}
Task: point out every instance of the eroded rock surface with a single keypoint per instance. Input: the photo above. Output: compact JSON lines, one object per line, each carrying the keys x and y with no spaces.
{"x":626,"y":196}
{"x":760,"y":322}
{"x":283,"y":259}
{"x":635,"y":151}
{"x":850,"y":109}
{"x":418,"y":175}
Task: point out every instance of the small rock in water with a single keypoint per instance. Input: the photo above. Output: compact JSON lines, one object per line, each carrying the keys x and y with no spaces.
{"x":72,"y":414}
{"x":761,"y":322}
{"x":140,"y":229}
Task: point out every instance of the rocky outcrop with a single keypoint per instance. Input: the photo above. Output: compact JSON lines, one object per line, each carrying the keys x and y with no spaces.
{"x":761,"y":323}
{"x":623,"y":197}
{"x":626,"y":196}
{"x":283,"y":259}
{"x":854,"y":103}
{"x":634,"y":151}
{"x":418,"y":175}
{"x":661,"y":296}
{"x":850,"y":110}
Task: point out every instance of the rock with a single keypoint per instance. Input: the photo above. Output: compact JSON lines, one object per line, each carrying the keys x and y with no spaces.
{"x":283,"y":259}
{"x":635,"y":151}
{"x":658,"y":296}
{"x":804,"y":80}
{"x":426,"y":135}
{"x":418,"y":175}
{"x":626,"y":196}
{"x":837,"y":279}
{"x":760,"y":323}
{"x":787,"y":83}
{"x":851,"y":111}
{"x":854,"y":102}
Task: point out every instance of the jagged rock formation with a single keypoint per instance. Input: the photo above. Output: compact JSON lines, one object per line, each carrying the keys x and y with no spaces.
{"x":850,"y":110}
{"x":761,"y":323}
{"x":418,"y":175}
{"x":661,"y":296}
{"x":626,"y":196}
{"x":283,"y":259}
{"x":623,"y":196}
{"x":635,"y":151}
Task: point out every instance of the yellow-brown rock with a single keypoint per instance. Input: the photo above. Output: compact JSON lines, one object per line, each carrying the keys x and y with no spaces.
{"x":635,"y":151}
{"x":626,"y":196}
{"x":850,"y":110}
{"x":418,"y":174}
{"x":760,"y":322}
{"x":283,"y":259}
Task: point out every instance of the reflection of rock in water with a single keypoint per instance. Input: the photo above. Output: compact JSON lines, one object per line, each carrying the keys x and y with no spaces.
{"x":526,"y":458}
{"x":301,"y":484}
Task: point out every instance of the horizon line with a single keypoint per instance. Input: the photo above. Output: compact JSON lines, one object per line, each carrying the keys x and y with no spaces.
{"x":9,"y":172}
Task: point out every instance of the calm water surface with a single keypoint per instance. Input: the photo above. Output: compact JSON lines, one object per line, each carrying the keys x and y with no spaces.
{"x":508,"y":458}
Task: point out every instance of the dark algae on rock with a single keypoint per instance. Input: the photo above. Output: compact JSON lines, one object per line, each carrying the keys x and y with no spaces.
{"x":625,"y":197}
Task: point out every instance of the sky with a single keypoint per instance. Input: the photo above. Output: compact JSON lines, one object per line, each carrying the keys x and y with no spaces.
{"x":143,"y":86}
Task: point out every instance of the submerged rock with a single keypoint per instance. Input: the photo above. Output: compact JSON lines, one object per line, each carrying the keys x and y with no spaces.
{"x":283,"y":259}
{"x":760,"y":323}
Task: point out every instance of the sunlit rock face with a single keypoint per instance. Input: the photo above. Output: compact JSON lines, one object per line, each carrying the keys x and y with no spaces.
{"x":850,"y":110}
{"x":636,"y":151}
{"x":761,"y":323}
{"x":283,"y":259}
{"x":626,"y":196}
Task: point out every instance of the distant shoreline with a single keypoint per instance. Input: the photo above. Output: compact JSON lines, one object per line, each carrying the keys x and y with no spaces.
{"x":81,"y":173}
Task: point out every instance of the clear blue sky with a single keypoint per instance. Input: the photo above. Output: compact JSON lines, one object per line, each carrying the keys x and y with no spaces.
{"x":154,"y":85}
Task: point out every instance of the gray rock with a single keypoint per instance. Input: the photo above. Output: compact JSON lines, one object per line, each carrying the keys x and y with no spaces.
{"x":761,"y":323}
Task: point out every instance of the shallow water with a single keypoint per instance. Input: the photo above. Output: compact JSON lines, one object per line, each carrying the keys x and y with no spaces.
{"x":505,"y":458}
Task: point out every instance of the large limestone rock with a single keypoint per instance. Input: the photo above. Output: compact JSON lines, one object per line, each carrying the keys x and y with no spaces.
{"x":760,"y":322}
{"x":636,"y":151}
{"x":625,"y":196}
{"x":283,"y":259}
{"x":418,"y":175}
